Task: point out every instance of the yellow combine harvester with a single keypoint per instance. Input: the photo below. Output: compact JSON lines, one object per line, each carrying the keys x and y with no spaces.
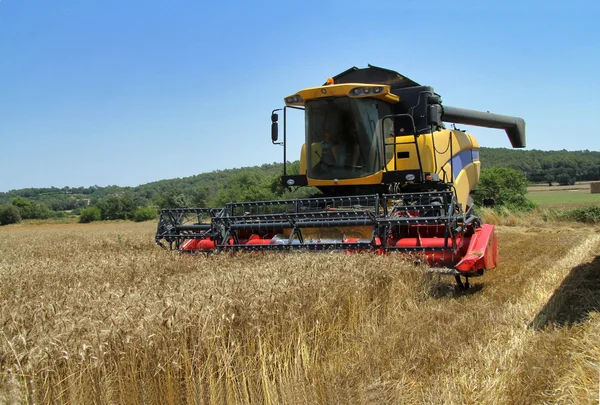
{"x":391,"y":176}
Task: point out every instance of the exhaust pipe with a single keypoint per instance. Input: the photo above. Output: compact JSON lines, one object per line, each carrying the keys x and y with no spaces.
{"x":514,"y":126}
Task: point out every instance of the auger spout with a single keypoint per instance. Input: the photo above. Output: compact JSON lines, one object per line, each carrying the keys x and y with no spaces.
{"x":514,"y":126}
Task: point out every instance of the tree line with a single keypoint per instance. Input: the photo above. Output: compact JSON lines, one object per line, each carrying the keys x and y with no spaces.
{"x":556,"y":166}
{"x":215,"y":189}
{"x":141,"y":203}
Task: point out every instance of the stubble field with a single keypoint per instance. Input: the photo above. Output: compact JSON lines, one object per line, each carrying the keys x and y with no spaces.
{"x":98,"y":314}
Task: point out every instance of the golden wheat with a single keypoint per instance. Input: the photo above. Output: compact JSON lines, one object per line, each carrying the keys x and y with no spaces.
{"x":97,"y":314}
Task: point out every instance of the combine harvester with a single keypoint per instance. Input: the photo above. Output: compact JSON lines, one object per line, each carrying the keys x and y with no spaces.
{"x":392,"y":178}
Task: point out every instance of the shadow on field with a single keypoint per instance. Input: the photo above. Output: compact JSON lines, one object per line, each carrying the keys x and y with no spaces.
{"x":574,"y":299}
{"x":442,"y":288}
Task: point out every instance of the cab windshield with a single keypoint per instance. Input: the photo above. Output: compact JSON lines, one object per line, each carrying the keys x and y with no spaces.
{"x":341,"y":137}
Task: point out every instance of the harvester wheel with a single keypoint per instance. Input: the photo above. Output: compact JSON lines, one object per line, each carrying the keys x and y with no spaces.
{"x":460,"y":284}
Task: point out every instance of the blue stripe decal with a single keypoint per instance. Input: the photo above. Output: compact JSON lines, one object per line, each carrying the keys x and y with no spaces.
{"x":475,"y":154}
{"x":460,"y":161}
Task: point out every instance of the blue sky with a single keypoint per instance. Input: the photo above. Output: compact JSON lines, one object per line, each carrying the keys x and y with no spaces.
{"x":128,"y":92}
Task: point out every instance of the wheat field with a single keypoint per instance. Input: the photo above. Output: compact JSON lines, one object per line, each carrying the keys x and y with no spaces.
{"x":98,"y":314}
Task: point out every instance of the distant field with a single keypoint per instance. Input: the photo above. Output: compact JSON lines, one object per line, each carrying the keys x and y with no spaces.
{"x":563,"y":196}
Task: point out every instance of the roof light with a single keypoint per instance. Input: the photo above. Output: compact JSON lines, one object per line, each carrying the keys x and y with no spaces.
{"x":366,"y":91}
{"x":295,"y":99}
{"x":329,"y":81}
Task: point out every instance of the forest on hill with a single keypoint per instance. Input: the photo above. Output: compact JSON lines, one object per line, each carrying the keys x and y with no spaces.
{"x":539,"y":166}
{"x":213,"y":189}
{"x":260,"y":183}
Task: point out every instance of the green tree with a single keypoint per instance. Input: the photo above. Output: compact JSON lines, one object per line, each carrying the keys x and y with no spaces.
{"x":24,"y":206}
{"x":246,"y":186}
{"x":90,"y":214}
{"x":564,"y":179}
{"x":116,"y":207}
{"x":506,"y":186}
{"x":173,"y":198}
{"x":144,"y":214}
{"x":9,"y":214}
{"x":31,"y":209}
{"x":199,"y":197}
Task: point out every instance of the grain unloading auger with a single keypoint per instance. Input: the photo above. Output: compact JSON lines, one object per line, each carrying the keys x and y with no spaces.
{"x":392,"y":179}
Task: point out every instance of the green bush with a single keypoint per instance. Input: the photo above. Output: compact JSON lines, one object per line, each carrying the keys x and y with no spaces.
{"x":58,"y":214}
{"x":31,"y":209}
{"x":9,"y":214}
{"x":506,"y":186}
{"x":89,"y":214}
{"x":144,"y":214}
{"x":564,"y":179}
{"x":116,"y":207}
{"x":587,"y":215}
{"x":526,"y":205}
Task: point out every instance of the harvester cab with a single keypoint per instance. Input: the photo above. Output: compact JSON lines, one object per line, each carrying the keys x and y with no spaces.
{"x":392,"y":178}
{"x":389,"y":135}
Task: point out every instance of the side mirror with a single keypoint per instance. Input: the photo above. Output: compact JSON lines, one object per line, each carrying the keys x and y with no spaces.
{"x":274,"y":128}
{"x":274,"y":132}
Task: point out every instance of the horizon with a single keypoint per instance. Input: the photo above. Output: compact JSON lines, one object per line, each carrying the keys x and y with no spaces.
{"x":117,"y":94}
{"x":250,"y":167}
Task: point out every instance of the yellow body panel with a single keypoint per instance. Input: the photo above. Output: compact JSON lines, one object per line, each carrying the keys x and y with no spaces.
{"x":465,"y":182}
{"x":303,"y":159}
{"x":344,"y":90}
{"x":358,"y":181}
{"x":437,"y":151}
